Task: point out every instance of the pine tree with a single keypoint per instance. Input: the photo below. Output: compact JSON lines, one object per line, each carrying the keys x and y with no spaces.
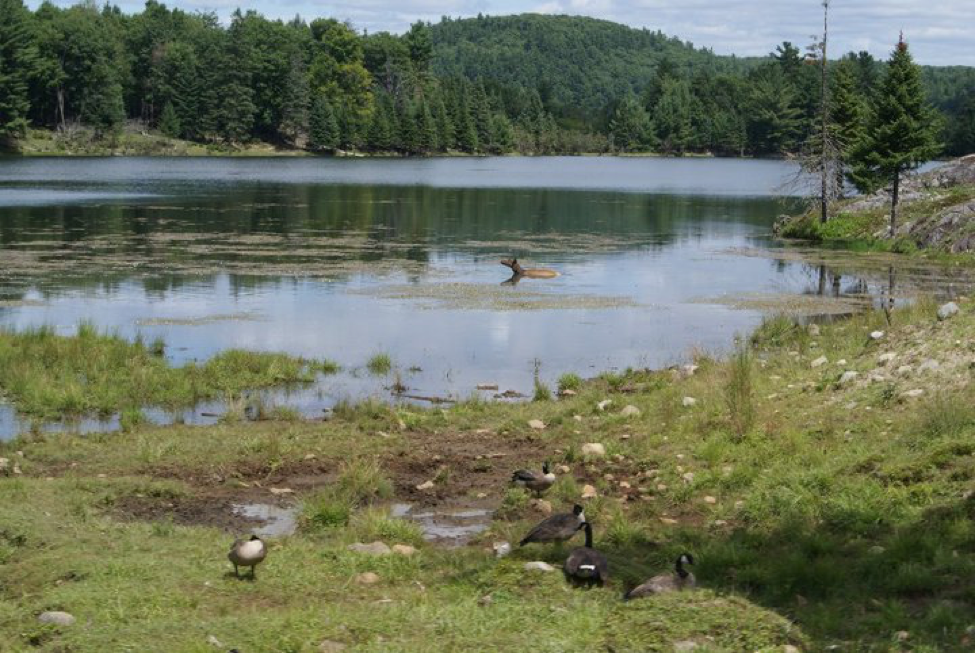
{"x":466,"y":131}
{"x":294,"y":107}
{"x":445,"y":128}
{"x":502,"y":134}
{"x":901,"y":131}
{"x":481,"y":115}
{"x":323,"y":128}
{"x":169,"y":121}
{"x":847,"y":112}
{"x":672,"y":117}
{"x":17,"y":59}
{"x":101,"y":103}
{"x":629,"y":127}
{"x":426,"y":129}
{"x":380,"y":137}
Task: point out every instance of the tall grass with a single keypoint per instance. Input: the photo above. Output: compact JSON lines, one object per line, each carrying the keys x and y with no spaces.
{"x":738,"y":390}
{"x":50,"y":376}
{"x":359,"y":483}
{"x":380,"y":364}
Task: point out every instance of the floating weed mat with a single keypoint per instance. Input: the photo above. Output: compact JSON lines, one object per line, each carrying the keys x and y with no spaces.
{"x":792,"y":305}
{"x":202,"y":320}
{"x":475,"y":296}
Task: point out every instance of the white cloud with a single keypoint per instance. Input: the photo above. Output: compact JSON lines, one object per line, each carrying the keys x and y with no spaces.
{"x":937,"y":30}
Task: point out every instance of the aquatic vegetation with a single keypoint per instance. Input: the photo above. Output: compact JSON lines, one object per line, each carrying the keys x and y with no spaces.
{"x":50,"y":376}
{"x":380,"y":364}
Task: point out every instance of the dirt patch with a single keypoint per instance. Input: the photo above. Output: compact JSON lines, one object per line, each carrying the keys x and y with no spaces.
{"x":185,"y":511}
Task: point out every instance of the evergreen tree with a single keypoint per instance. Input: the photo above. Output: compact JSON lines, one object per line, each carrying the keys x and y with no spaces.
{"x":169,"y":121}
{"x":502,"y":134}
{"x":380,"y":135}
{"x":847,"y":113}
{"x":323,"y":128}
{"x":774,"y":118}
{"x":445,"y":128}
{"x":426,"y":129}
{"x":901,"y":131}
{"x":672,"y":117}
{"x":481,"y":115}
{"x":101,"y":104}
{"x":963,"y":134}
{"x":466,"y":131}
{"x":294,"y":107}
{"x":17,"y":60}
{"x":630,"y":126}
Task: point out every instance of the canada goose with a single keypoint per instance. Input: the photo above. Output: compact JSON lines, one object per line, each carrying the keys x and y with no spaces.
{"x":586,"y":564}
{"x":534,"y":481}
{"x":557,"y":528}
{"x":247,"y":553}
{"x":676,"y":581}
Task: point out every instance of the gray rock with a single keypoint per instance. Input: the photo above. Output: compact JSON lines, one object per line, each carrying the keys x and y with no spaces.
{"x":687,"y":402}
{"x":948,"y":310}
{"x":594,"y":449}
{"x":883,"y":359}
{"x":848,"y":376}
{"x":930,"y":365}
{"x":819,"y":362}
{"x":375,"y":548}
{"x":685,"y":645}
{"x":813,"y":330}
{"x":913,"y":394}
{"x":538,"y":565}
{"x":630,"y":411}
{"x":56,"y":617}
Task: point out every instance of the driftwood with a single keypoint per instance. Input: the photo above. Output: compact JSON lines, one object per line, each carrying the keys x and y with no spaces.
{"x":431,"y":399}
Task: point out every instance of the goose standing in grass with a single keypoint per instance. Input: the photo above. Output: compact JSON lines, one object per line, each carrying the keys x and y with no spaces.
{"x":675,"y":581}
{"x":247,"y":553}
{"x":534,"y":481}
{"x":557,"y":528}
{"x":585,"y":564}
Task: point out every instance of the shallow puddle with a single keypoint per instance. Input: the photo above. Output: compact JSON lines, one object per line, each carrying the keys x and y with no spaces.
{"x":446,"y":527}
{"x":278,"y":521}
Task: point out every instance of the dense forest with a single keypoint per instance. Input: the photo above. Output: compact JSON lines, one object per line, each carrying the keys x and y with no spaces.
{"x":529,"y":83}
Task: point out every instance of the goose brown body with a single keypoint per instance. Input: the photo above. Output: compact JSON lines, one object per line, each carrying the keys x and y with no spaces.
{"x":675,"y":581}
{"x":247,"y":553}
{"x":557,"y":528}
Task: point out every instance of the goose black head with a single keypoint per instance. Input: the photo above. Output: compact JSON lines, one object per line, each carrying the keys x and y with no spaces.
{"x":685,"y":559}
{"x":577,"y":510}
{"x":545,"y":467}
{"x":254,"y":537}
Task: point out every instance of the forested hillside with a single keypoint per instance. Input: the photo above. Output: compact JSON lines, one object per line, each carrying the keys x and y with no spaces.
{"x":530,"y":83}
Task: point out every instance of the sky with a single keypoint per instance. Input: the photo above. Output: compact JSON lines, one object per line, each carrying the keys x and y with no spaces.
{"x":939,"y":31}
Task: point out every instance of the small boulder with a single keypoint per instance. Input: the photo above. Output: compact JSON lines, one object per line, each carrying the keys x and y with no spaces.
{"x":56,"y":617}
{"x":4,"y":465}
{"x":374,"y":548}
{"x":423,"y":487}
{"x":948,"y":310}
{"x":883,"y":359}
{"x":536,"y":424}
{"x":913,"y":394}
{"x":604,"y":404}
{"x":563,"y":469}
{"x":404,"y":549}
{"x":367,"y":578}
{"x":501,"y":549}
{"x":330,"y":646}
{"x":669,"y":521}
{"x":819,"y":362}
{"x":930,"y":365}
{"x":594,"y":449}
{"x":278,"y":491}
{"x":688,"y":477}
{"x":813,"y":330}
{"x":904,"y":370}
{"x":687,"y":402}
{"x":567,"y":393}
{"x":848,"y":376}
{"x":625,"y":485}
{"x":589,"y":492}
{"x":538,"y":565}
{"x":630,"y":411}
{"x":876,"y":335}
{"x":710,"y":500}
{"x":685,"y":645}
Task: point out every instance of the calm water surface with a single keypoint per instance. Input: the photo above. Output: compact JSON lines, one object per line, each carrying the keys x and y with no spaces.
{"x":344,"y":259}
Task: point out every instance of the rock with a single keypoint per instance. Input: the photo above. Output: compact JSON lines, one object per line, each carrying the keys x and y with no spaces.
{"x":487,"y":599}
{"x":876,"y":378}
{"x":930,"y":365}
{"x":789,"y":648}
{"x":630,"y":411}
{"x":609,"y":477}
{"x":668,"y":521}
{"x":487,"y":386}
{"x":685,"y":645}
{"x":542,"y":506}
{"x":813,"y":330}
{"x":687,"y":402}
{"x":404,"y":549}
{"x":841,"y":362}
{"x":876,"y":335}
{"x":278,"y":491}
{"x":481,"y":495}
{"x":819,"y":362}
{"x":538,"y":565}
{"x":902,"y":635}
{"x":577,"y":418}
{"x":567,"y":393}
{"x":948,"y":310}
{"x":536,"y":424}
{"x":4,"y":465}
{"x":883,"y":359}
{"x":913,"y":394}
{"x":501,"y":549}
{"x":423,"y":487}
{"x":374,"y":549}
{"x":848,"y":376}
{"x":688,"y":370}
{"x":661,"y":487}
{"x":904,"y":370}
{"x":330,"y":646}
{"x":214,"y":642}
{"x":688,"y":477}
{"x":56,"y":617}
{"x":604,"y":404}
{"x":595,"y":449}
{"x":367,"y":578}
{"x":710,"y":499}
{"x":625,"y":485}
{"x":589,"y":492}
{"x":563,"y":469}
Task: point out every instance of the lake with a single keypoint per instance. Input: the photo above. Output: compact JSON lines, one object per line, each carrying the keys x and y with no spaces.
{"x":347,"y":258}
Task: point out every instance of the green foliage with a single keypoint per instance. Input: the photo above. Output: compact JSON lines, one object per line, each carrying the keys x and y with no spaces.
{"x":380,"y":364}
{"x":324,"y":128}
{"x":569,"y":381}
{"x":169,"y":122}
{"x":360,"y":482}
{"x":739,"y":391}
{"x":17,"y":60}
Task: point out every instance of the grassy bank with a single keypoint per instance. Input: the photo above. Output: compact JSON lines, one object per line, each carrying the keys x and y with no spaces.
{"x":823,"y":508}
{"x":47,"y":376}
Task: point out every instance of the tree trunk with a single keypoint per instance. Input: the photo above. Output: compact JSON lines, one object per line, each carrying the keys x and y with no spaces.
{"x":894,"y":197}
{"x":823,"y":116}
{"x":60,"y":108}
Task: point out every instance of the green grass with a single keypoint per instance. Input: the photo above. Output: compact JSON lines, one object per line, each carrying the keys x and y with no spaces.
{"x":48,"y":376}
{"x":380,"y":364}
{"x":833,"y":516}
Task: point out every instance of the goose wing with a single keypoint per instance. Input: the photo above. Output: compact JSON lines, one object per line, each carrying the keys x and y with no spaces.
{"x":556,"y":527}
{"x":523,"y":476}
